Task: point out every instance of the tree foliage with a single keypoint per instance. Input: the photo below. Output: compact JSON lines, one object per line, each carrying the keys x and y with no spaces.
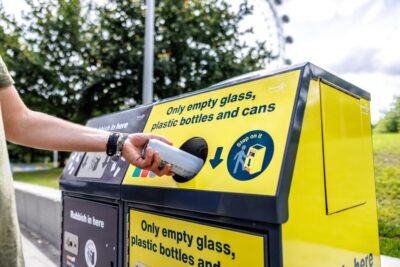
{"x":76,"y":60}
{"x":57,"y":36}
{"x":197,"y":43}
{"x":390,"y":123}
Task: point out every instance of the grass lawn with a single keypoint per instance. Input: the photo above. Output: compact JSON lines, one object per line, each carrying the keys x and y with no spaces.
{"x":387,"y":175}
{"x":47,"y":178}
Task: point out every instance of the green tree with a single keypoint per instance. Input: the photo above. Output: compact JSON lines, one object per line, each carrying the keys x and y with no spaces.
{"x":14,"y":51}
{"x":9,"y":35}
{"x":17,"y":58}
{"x":76,"y":60}
{"x":57,"y":35}
{"x":390,"y":123}
{"x":79,"y":63}
{"x":47,"y":57}
{"x":197,"y":43}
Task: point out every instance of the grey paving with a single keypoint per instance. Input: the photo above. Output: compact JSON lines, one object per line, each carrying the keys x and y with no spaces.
{"x":38,"y":252}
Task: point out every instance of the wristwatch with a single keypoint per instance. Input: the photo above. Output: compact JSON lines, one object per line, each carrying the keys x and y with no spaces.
{"x":112,"y":144}
{"x":115,"y":145}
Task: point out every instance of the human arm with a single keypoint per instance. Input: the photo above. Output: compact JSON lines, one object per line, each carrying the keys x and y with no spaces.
{"x":35,"y":129}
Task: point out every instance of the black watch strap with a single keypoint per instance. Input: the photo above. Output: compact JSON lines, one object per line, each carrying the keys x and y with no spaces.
{"x":112,"y":144}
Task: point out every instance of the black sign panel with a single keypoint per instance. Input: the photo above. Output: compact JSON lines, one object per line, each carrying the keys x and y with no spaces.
{"x":90,"y":234}
{"x":95,"y":172}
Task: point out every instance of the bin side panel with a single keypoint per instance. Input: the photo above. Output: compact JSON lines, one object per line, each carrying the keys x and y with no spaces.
{"x":311,"y":237}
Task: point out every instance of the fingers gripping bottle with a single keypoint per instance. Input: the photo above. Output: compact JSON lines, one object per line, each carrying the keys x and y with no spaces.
{"x":182,"y":163}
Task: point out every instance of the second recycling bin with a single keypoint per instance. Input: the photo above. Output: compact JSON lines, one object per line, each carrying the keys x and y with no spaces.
{"x":93,"y":223}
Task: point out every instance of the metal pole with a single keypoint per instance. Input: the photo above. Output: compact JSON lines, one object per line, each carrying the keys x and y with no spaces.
{"x":55,"y":159}
{"x":148,"y":54}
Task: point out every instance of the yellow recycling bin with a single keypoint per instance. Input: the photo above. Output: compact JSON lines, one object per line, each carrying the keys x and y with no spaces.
{"x":288,"y":177}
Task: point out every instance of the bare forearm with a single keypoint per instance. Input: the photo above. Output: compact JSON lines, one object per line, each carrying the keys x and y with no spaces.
{"x":35,"y":129}
{"x":46,"y":132}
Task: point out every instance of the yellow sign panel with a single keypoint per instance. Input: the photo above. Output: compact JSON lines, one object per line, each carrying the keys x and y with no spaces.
{"x":159,"y":241}
{"x":245,"y":127}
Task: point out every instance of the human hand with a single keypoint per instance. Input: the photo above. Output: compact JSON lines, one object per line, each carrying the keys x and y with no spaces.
{"x":132,"y":152}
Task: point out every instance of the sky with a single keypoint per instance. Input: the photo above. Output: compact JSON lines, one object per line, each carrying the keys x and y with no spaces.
{"x":356,"y":40}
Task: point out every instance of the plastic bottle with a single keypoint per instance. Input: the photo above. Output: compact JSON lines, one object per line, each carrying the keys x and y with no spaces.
{"x":182,"y":163}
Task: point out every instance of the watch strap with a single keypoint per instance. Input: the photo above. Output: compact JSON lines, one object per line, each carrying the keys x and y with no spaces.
{"x":111,"y":148}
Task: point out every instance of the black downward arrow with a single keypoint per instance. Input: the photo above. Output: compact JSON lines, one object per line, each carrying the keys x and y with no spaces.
{"x":217,"y":158}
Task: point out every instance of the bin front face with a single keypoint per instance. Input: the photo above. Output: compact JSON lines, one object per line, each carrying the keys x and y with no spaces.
{"x":90,"y":233}
{"x":248,"y":128}
{"x":159,"y":240}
